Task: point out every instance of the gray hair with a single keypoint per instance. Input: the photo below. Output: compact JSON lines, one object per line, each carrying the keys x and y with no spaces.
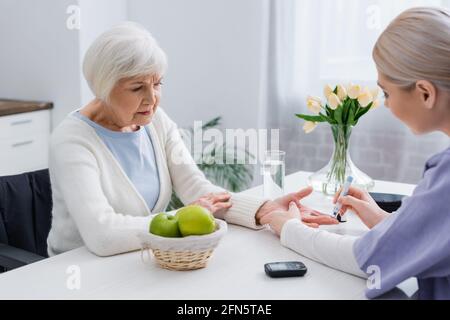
{"x":126,"y":50}
{"x":416,"y":46}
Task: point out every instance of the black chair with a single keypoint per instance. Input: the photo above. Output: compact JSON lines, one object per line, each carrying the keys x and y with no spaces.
{"x":25,"y":218}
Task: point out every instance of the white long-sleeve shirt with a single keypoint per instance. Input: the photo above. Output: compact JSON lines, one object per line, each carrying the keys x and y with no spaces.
{"x":96,"y":205}
{"x":328,"y":248}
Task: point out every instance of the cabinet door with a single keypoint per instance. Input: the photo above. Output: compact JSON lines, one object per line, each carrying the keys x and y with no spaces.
{"x":24,"y":154}
{"x":24,"y":125}
{"x":24,"y":142}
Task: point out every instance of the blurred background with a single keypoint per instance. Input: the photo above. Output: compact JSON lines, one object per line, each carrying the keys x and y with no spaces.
{"x":251,"y":62}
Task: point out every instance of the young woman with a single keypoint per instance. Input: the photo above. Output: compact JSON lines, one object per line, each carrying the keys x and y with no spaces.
{"x":413,"y":60}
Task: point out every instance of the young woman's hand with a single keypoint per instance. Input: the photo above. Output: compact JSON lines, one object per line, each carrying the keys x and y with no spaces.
{"x":360,"y":202}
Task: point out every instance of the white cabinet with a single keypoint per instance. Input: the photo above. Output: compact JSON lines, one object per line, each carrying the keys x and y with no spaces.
{"x":24,"y":142}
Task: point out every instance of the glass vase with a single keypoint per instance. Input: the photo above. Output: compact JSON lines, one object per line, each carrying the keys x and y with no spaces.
{"x":331,"y":178}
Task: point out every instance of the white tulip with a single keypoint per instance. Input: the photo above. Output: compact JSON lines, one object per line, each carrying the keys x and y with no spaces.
{"x":309,"y":126}
{"x":365,"y":98}
{"x":317,"y":99}
{"x":314,"y":104}
{"x":333,"y":101}
{"x":354,"y":91}
{"x":341,"y":92}
{"x":328,"y":90}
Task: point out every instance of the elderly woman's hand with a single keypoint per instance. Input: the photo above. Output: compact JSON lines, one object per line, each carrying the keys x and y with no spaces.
{"x":217,"y":203}
{"x":309,"y":216}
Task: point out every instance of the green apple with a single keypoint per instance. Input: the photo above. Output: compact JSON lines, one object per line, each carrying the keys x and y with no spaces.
{"x":165,"y":225}
{"x":195,"y":220}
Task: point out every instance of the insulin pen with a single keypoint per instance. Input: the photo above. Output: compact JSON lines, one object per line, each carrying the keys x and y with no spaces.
{"x":344,"y":193}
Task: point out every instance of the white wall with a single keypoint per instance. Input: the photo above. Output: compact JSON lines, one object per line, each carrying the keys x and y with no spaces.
{"x":40,"y":58}
{"x":214,"y":50}
{"x":96,"y":17}
{"x":38,"y":54}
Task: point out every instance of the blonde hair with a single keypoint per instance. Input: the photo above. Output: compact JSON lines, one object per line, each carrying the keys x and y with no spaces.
{"x":416,"y":46}
{"x":126,"y":50}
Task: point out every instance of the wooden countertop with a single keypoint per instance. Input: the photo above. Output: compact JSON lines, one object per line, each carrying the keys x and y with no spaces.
{"x":9,"y":107}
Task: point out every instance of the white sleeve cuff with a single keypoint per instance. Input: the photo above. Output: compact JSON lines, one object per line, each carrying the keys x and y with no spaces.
{"x":243,"y":211}
{"x":286,"y":231}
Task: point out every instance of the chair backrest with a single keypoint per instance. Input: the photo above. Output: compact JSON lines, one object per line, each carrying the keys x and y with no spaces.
{"x":26,"y":211}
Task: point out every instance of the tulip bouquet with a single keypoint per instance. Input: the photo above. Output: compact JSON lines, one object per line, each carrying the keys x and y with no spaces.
{"x":343,"y":109}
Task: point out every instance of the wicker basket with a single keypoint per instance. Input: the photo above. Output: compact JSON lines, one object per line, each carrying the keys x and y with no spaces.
{"x":188,"y":253}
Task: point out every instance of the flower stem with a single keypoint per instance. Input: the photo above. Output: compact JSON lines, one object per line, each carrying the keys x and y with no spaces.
{"x":336,"y":175}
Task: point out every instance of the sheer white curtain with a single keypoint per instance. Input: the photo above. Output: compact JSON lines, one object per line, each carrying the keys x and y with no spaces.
{"x":317,"y":42}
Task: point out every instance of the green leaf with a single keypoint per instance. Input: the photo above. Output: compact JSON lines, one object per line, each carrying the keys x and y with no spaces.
{"x":362,"y":112}
{"x":325,"y":118}
{"x":318,"y":118}
{"x":338,"y":114}
{"x":329,"y":111}
{"x":346,"y":110}
{"x":351,"y":115}
{"x":212,"y":123}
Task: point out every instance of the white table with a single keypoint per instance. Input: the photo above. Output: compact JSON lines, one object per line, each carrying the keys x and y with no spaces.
{"x":235,"y":271}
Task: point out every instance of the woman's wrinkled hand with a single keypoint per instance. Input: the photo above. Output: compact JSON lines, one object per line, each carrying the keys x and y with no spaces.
{"x":308,"y":216}
{"x":217,"y":203}
{"x":360,"y":202}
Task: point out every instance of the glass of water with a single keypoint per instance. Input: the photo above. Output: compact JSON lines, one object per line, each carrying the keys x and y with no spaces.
{"x":274,"y":172}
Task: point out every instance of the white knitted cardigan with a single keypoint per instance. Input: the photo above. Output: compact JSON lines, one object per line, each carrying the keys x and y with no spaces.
{"x":97,"y":206}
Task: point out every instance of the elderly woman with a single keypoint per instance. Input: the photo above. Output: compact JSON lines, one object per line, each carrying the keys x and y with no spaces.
{"x":413,"y":61}
{"x":116,"y":161}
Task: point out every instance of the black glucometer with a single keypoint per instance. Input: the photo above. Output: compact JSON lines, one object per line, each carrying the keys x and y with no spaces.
{"x":285,"y":269}
{"x":388,"y":202}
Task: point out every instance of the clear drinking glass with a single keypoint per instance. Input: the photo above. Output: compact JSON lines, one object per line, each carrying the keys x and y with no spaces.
{"x":274,"y":173}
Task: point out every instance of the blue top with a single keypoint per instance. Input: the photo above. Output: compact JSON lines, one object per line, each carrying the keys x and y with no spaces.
{"x":135,"y":153}
{"x":415,"y":241}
